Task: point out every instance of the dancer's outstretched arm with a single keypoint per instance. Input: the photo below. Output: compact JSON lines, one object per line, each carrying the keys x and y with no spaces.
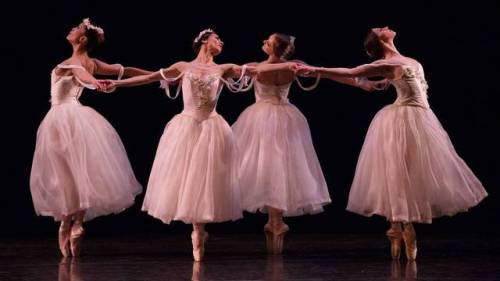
{"x":231,"y":70}
{"x":389,"y":71}
{"x":85,"y":77}
{"x":359,"y":82}
{"x":357,"y":76}
{"x":254,"y":69}
{"x":362,"y":83}
{"x":171,"y":72}
{"x":270,"y":67}
{"x":114,"y":69}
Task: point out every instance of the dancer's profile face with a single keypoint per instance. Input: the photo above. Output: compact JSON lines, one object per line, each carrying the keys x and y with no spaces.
{"x":76,"y":33}
{"x":214,"y":44}
{"x":384,"y":33}
{"x":268,"y":45}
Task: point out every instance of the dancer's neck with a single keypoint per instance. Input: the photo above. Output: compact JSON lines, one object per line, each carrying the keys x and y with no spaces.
{"x":79,"y":52}
{"x":274,"y":59}
{"x":204,"y":57}
{"x":390,"y":51}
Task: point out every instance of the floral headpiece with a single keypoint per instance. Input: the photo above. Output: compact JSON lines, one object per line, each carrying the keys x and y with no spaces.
{"x":89,"y":25}
{"x":203,"y":32}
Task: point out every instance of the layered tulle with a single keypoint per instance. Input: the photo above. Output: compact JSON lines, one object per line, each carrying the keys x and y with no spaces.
{"x":80,"y":164}
{"x":193,"y":176}
{"x":409,"y":171}
{"x":278,"y":166}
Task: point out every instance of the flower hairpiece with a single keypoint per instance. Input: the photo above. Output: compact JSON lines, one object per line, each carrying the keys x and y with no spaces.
{"x":89,"y":25}
{"x":203,"y":32}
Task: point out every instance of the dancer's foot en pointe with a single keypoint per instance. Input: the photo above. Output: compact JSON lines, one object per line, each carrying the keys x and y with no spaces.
{"x":410,"y":238}
{"x":77,"y":233}
{"x":64,"y":233}
{"x":76,"y":237}
{"x":199,"y":238}
{"x":395,"y":235}
{"x":275,"y":231}
{"x":275,"y":235}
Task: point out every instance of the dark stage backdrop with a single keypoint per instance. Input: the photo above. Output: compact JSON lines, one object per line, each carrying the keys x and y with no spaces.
{"x":457,"y":44}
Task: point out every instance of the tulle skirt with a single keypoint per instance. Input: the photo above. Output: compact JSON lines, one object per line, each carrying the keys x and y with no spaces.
{"x":80,"y":164}
{"x":193,"y":176}
{"x":409,"y":171}
{"x":278,"y":166}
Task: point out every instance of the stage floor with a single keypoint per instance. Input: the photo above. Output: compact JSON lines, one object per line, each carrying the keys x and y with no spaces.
{"x":242,"y":257}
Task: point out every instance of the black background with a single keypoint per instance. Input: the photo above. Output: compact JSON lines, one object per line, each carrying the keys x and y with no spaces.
{"x":457,"y":44}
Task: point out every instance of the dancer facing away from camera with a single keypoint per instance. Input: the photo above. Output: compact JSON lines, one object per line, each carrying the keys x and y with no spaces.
{"x":279,"y":170}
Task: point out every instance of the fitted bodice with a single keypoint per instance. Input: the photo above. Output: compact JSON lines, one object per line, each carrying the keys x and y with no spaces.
{"x":201,"y":86}
{"x":276,"y":94}
{"x":66,"y":88}
{"x":411,"y":87}
{"x":200,"y":93}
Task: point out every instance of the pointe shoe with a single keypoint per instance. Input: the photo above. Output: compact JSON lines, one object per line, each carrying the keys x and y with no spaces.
{"x":274,"y":237}
{"x":199,"y":238}
{"x":395,"y":236}
{"x":77,"y":232}
{"x":63,"y":237}
{"x":410,"y":238}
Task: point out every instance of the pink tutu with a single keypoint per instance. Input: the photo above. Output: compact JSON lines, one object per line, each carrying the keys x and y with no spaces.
{"x":80,"y":164}
{"x":278,"y":166}
{"x":409,"y":171}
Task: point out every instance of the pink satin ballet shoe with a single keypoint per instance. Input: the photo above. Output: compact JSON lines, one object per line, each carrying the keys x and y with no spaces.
{"x":395,"y":236}
{"x":275,"y":234}
{"x":76,"y":237}
{"x":410,"y":238}
{"x":64,"y":233}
